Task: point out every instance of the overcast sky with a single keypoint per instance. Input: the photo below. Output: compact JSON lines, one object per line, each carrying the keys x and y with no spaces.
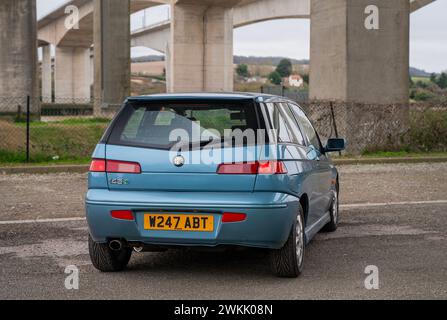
{"x":290,"y":38}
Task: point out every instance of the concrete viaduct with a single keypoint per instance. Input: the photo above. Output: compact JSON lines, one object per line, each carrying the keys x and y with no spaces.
{"x":349,"y":62}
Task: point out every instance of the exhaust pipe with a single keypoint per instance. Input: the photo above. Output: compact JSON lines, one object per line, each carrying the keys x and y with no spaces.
{"x":115,"y":245}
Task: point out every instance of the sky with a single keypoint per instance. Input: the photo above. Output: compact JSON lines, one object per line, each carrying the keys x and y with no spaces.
{"x":290,"y":37}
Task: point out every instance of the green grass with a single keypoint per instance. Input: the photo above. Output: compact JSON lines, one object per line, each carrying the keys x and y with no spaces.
{"x":19,"y":159}
{"x":66,"y":141}
{"x":12,"y":157}
{"x":396,"y":154}
{"x":73,"y":122}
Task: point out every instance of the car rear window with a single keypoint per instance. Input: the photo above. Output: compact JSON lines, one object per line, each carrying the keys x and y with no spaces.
{"x":150,"y":124}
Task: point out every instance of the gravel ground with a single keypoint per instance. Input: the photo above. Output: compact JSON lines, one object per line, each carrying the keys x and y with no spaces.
{"x":407,"y":242}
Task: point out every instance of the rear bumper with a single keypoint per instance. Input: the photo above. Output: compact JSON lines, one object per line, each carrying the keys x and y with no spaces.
{"x":269,"y":217}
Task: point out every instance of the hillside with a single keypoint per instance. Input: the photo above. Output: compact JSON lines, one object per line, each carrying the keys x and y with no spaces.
{"x":274,"y":61}
{"x":415,"y":72}
{"x":265,"y":62}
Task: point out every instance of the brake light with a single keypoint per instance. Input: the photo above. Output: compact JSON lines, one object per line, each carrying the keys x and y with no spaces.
{"x":114,"y":166}
{"x":122,"y":214}
{"x":98,"y":165}
{"x":233,"y":217}
{"x":272,"y":167}
{"x":238,"y":168}
{"x":258,"y":167}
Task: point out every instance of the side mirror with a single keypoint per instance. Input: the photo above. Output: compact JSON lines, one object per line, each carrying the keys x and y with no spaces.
{"x":335,"y":145}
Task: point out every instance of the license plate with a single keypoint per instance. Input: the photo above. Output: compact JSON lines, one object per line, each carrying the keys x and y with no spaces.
{"x":179,"y":222}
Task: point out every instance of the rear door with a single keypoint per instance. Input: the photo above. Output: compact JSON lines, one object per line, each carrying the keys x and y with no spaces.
{"x":293,"y":151}
{"x":180,"y":145}
{"x":322,"y":170}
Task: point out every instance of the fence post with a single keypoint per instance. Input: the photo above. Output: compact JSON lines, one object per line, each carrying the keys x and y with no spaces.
{"x":27,"y":127}
{"x":334,"y":122}
{"x":262,"y":89}
{"x":282,"y":90}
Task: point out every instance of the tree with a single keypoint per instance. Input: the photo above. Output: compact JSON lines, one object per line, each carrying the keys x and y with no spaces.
{"x":433,"y":78}
{"x":306,"y":78}
{"x":242,"y":70}
{"x":284,"y":68}
{"x":275,"y":78}
{"x":442,"y":80}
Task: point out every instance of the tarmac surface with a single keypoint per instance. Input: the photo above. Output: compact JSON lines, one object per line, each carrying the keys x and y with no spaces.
{"x":393,"y":216}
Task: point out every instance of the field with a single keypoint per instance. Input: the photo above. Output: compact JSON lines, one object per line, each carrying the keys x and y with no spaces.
{"x":421,"y":79}
{"x":263,"y":70}
{"x":153,"y":68}
{"x":69,"y":140}
{"x":142,"y":85}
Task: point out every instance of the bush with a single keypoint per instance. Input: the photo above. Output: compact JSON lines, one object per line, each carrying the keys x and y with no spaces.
{"x":275,"y":78}
{"x":421,"y":95}
{"x":61,"y":109}
{"x":428,"y":130}
{"x":440,"y":80}
{"x":242,"y":70}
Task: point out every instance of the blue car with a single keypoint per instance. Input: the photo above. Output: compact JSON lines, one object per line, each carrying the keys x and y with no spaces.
{"x":210,"y":170}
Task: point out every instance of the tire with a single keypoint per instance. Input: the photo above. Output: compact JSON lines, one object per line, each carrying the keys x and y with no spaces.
{"x":105,"y":259}
{"x":288,"y":261}
{"x":332,"y":225}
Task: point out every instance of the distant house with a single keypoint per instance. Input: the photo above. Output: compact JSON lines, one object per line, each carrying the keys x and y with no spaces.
{"x":295,"y":80}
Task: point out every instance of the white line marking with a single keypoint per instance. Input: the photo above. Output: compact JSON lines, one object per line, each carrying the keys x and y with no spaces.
{"x":343,"y":206}
{"x":385,"y":204}
{"x":41,"y":221}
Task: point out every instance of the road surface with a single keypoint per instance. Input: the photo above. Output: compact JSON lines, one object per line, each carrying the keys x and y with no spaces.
{"x":393,"y":217}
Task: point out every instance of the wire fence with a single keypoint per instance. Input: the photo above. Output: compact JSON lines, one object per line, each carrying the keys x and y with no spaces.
{"x":295,"y":94}
{"x":33,"y":131}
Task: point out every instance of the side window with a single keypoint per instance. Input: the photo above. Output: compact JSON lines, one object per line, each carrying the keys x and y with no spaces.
{"x":307,"y":126}
{"x":278,"y":123}
{"x":293,"y":125}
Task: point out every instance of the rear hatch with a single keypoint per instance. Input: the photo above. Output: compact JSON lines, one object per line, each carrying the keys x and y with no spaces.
{"x":179,"y":145}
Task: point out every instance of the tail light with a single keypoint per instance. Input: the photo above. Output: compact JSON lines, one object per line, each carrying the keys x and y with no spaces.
{"x":98,"y":165}
{"x":238,"y":168}
{"x":114,"y":166}
{"x":122,"y":214}
{"x":258,"y":167}
{"x":272,"y":167}
{"x":233,"y":217}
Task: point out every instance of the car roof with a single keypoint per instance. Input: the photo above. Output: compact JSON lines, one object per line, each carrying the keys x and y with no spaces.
{"x":261,"y":97}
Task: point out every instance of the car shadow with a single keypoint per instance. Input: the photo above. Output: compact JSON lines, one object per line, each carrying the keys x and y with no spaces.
{"x":241,"y":261}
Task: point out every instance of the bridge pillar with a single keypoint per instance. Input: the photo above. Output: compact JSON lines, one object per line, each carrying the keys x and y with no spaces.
{"x":72,"y":75}
{"x":111,"y":53}
{"x":18,"y":54}
{"x":47,"y":71}
{"x":364,"y":71}
{"x":202,"y":46}
{"x":168,"y":74}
